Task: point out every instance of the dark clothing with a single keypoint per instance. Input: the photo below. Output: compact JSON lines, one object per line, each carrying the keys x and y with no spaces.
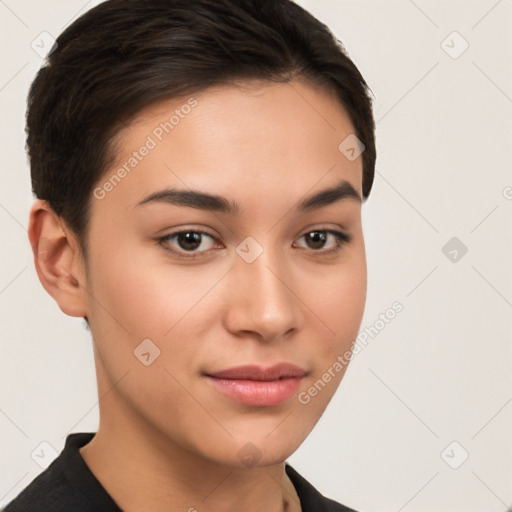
{"x":68,"y":485}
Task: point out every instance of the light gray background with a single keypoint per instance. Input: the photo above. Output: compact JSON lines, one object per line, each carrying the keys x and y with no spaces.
{"x":437,"y":373}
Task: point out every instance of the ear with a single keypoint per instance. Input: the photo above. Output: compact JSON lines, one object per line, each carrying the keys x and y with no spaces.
{"x":57,"y":259}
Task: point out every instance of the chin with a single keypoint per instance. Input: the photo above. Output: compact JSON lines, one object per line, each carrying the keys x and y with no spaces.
{"x":248,"y":452}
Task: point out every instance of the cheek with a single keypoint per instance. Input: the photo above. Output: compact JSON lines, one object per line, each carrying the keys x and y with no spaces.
{"x":338,"y":301}
{"x":147,"y":295}
{"x":132,"y":300}
{"x":340,"y":307}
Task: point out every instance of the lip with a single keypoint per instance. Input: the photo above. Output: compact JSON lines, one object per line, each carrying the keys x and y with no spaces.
{"x":255,"y":372}
{"x":258,"y":386}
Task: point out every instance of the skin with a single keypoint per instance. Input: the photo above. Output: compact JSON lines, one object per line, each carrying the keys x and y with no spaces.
{"x":166,"y":439}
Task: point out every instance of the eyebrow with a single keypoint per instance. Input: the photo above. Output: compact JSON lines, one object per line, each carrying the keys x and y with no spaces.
{"x":216,"y":203}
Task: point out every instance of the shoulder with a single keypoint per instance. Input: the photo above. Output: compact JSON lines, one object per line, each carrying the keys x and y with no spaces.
{"x":311,"y":499}
{"x":66,"y":484}
{"x":48,"y":491}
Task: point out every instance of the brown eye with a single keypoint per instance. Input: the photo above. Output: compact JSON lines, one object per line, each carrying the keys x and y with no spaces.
{"x":189,"y":240}
{"x":190,"y":244}
{"x":185,"y":244}
{"x":318,"y":238}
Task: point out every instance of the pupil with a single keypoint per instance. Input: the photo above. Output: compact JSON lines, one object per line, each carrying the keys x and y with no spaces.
{"x":317,"y":237}
{"x":185,"y":239}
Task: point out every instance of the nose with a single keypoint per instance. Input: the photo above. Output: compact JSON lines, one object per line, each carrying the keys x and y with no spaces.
{"x":262,"y":299}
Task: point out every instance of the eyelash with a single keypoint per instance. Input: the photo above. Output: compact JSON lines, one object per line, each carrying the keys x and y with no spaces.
{"x":342,"y":239}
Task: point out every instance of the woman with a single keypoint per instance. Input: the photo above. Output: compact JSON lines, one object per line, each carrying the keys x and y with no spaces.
{"x":200,"y":169}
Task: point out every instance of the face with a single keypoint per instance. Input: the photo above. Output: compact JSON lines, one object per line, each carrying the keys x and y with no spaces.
{"x":182,"y":286}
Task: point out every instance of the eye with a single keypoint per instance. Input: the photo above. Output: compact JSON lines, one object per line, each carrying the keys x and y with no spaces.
{"x":317,"y":239}
{"x":198,"y":243}
{"x":188,"y":243}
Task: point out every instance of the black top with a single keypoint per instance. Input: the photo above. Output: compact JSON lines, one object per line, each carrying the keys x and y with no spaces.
{"x":69,"y":485}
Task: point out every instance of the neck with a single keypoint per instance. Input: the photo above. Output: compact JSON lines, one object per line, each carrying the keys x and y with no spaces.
{"x":141,"y":470}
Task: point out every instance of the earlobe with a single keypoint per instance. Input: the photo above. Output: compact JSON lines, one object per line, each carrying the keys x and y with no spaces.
{"x":57,"y":259}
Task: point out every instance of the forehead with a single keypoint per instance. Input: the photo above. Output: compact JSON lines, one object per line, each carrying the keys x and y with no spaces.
{"x":244,"y":139}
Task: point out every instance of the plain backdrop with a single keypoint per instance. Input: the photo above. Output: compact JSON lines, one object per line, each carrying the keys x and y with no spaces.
{"x":422,"y":420}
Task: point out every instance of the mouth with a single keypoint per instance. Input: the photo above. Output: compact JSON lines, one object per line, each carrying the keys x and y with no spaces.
{"x":258,"y":386}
